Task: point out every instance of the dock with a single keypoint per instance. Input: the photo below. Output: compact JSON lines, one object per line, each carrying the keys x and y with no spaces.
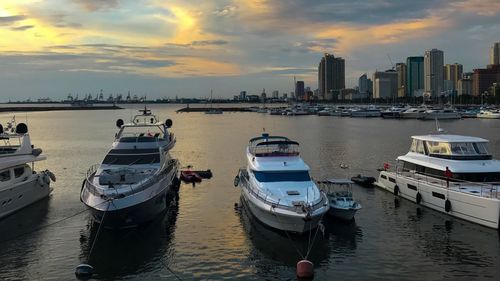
{"x":224,"y":109}
{"x":56,"y":108}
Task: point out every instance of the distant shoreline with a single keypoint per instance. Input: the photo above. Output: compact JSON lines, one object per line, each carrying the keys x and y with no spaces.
{"x":56,"y":108}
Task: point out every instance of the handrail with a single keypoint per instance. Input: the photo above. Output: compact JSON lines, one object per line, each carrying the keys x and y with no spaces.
{"x":140,"y":186}
{"x":487,"y":190}
{"x":243,"y":174}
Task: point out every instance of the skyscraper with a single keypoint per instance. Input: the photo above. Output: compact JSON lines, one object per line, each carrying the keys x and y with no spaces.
{"x":331,"y":74}
{"x":433,"y":72}
{"x":299,"y":90}
{"x":453,"y":72}
{"x":495,"y":54}
{"x":401,"y":70}
{"x":385,"y":84}
{"x":363,"y":84}
{"x":414,"y":75}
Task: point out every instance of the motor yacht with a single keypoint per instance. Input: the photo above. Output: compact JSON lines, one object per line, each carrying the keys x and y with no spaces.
{"x":453,"y":174}
{"x":393,"y":112}
{"x":276,"y":186}
{"x":132,"y":183}
{"x":447,"y":113}
{"x":339,"y":193}
{"x":370,"y":111}
{"x":20,"y":184}
{"x":413,"y":113}
{"x":489,"y":114}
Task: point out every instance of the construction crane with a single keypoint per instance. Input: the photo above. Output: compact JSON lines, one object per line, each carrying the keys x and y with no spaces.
{"x":392,"y":64}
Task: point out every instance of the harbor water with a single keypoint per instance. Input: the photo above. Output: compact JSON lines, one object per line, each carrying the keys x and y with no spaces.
{"x":204,"y":237}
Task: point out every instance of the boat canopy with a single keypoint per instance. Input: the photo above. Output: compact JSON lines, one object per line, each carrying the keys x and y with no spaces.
{"x":273,"y":146}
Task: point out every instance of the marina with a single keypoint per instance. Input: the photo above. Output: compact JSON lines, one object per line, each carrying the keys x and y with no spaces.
{"x":200,"y":235}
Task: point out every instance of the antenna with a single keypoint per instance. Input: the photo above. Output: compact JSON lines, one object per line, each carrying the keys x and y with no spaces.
{"x":392,"y":64}
{"x":438,"y":129}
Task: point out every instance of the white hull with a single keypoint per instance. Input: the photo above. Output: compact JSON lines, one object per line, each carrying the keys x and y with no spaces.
{"x":488,"y":116}
{"x":281,"y":219}
{"x":22,"y":195}
{"x":474,"y":208}
{"x":412,"y":115}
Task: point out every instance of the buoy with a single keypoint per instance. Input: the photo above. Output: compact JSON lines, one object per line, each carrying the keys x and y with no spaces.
{"x":84,"y":271}
{"x":305,"y":269}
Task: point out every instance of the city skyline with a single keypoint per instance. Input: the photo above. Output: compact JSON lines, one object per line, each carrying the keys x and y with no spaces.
{"x":186,"y":48}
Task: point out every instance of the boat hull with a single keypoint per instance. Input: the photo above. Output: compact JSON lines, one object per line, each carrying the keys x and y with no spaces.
{"x":342,"y":214}
{"x":22,"y":195}
{"x":477,"y":209}
{"x":279,"y":219}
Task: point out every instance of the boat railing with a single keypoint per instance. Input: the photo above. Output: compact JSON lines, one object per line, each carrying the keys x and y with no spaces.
{"x":488,"y":190}
{"x":264,"y":197}
{"x":129,"y":188}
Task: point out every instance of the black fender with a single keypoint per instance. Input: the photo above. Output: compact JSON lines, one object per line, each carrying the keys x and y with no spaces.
{"x":396,"y":190}
{"x":418,"y":198}
{"x":447,"y":205}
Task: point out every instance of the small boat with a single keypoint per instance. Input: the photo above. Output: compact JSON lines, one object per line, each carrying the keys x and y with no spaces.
{"x":489,"y":114}
{"x":189,"y":176}
{"x":433,"y":114}
{"x":339,"y":193}
{"x":370,"y":111}
{"x":364,"y":180}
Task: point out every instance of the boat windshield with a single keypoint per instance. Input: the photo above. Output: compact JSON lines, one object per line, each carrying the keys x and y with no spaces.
{"x":282,"y":176}
{"x":458,"y":148}
{"x":123,"y":159}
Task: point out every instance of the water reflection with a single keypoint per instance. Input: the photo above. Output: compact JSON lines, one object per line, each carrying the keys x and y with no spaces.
{"x":122,"y":253}
{"x":344,"y":235}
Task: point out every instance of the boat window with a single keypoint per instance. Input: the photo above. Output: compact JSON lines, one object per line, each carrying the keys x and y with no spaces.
{"x":435,"y":147}
{"x":131,"y":159}
{"x":420,"y":147}
{"x":5,"y":175}
{"x":19,"y":171}
{"x":413,"y":147}
{"x":481,"y":148}
{"x":462,"y":148}
{"x":282,"y":176}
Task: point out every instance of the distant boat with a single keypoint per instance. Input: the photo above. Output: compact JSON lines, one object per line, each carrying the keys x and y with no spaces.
{"x":213,"y":110}
{"x":447,"y":113}
{"x":489,"y":114}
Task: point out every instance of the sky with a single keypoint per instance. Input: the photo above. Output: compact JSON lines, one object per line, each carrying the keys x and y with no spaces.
{"x":186,"y":48}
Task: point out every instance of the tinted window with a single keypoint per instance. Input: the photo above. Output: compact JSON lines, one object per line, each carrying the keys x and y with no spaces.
{"x":5,"y":175}
{"x":18,"y":172}
{"x":282,"y":176}
{"x":131,"y":159}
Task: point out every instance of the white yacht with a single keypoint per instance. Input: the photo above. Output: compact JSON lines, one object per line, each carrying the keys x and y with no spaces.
{"x":131,"y":184}
{"x":413,"y":113}
{"x":472,"y":193}
{"x":20,"y":184}
{"x":277,"y":188}
{"x":489,"y":114}
{"x":370,"y":111}
{"x":447,"y":113}
{"x":339,"y":193}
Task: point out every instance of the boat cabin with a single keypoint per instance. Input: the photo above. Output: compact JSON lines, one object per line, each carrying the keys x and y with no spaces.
{"x":468,"y":158}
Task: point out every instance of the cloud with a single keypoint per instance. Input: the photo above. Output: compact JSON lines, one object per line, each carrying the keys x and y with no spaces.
{"x":22,"y":27}
{"x":11,"y":19}
{"x":209,"y":42}
{"x":97,"y":5}
{"x":227,"y":11}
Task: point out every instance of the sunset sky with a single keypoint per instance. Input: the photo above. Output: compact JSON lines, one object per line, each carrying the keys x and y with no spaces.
{"x":185,"y":47}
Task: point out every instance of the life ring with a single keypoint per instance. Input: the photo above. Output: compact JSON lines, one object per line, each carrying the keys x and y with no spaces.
{"x":447,"y":205}
{"x":418,"y":198}
{"x":396,"y":190}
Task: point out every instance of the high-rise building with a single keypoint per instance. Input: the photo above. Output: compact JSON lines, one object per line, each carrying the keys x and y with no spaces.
{"x":453,"y":72}
{"x":385,"y":84}
{"x":482,"y":79}
{"x":464,"y":87}
{"x":495,"y":54}
{"x":363,"y":84}
{"x":276,"y":94}
{"x":433,"y":72}
{"x":369,"y":82}
{"x":414,"y":75}
{"x":401,"y":70}
{"x":331,"y":74}
{"x":299,"y":90}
